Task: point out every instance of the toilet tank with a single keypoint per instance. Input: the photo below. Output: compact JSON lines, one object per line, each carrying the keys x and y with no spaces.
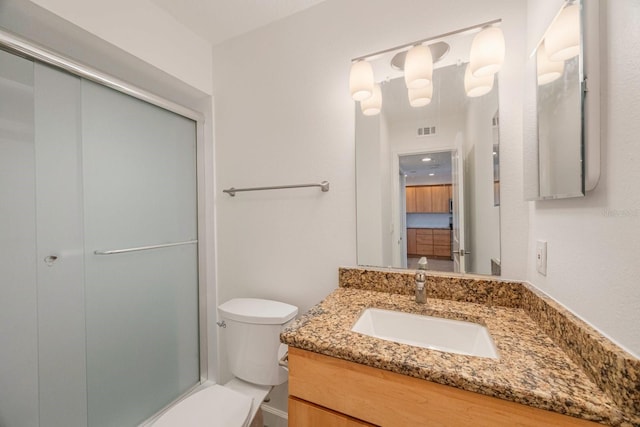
{"x":253,"y":338}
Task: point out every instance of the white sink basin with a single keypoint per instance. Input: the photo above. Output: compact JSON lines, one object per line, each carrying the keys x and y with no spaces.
{"x":453,"y":336}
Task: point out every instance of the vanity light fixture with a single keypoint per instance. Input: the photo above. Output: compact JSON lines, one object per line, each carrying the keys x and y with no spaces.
{"x":361,"y":80}
{"x":418,"y":67}
{"x":562,"y":40}
{"x":487,"y":52}
{"x":416,"y":60}
{"x":548,"y":70}
{"x":477,"y":86}
{"x":421,"y":96}
{"x":372,"y":105}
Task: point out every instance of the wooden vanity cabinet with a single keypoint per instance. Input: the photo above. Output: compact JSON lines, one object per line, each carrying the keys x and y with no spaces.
{"x":326,"y":391}
{"x":305,"y":414}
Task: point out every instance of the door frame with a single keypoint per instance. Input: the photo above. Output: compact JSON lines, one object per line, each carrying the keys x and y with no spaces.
{"x":398,"y":225}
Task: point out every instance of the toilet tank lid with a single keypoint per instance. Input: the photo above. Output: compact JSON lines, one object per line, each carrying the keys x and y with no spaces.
{"x":259,"y":311}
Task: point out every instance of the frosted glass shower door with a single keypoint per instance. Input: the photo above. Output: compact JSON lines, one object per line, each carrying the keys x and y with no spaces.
{"x":139,"y":164}
{"x":18,"y":292}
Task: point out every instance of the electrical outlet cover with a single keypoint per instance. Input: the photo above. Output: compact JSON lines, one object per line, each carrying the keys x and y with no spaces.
{"x":541,"y":257}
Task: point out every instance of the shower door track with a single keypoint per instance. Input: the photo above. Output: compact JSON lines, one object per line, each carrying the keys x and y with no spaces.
{"x":27,"y":48}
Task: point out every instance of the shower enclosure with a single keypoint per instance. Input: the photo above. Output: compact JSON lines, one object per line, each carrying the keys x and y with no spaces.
{"x":98,"y":251}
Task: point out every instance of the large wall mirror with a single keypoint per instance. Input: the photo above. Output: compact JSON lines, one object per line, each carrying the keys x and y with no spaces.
{"x":427,"y":165}
{"x":562,"y":161}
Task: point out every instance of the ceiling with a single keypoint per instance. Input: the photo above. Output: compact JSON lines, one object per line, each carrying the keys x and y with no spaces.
{"x":416,"y":169}
{"x":220,"y":20}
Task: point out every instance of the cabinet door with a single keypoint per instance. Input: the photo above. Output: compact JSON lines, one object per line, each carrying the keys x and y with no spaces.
{"x":411,"y":241}
{"x":400,"y":400}
{"x":410,"y":196}
{"x":442,"y":237}
{"x":443,"y":251}
{"x":423,"y":199}
{"x":305,"y":414}
{"x":442,"y":243}
{"x":424,"y":242}
{"x":440,"y":198}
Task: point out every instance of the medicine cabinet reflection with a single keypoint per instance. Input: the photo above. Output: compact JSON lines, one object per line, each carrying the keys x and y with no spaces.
{"x":563,"y":159}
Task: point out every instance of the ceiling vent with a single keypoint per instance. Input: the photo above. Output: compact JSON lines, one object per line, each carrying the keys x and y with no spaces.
{"x":427,"y":131}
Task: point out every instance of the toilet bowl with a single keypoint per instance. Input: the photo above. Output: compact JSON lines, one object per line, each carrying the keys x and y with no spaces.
{"x":252,"y":327}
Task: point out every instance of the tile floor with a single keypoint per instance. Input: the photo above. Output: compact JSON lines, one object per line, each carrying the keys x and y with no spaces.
{"x":432,"y":264}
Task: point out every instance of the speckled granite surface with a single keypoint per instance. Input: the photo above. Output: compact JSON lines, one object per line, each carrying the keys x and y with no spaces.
{"x":538,"y":366}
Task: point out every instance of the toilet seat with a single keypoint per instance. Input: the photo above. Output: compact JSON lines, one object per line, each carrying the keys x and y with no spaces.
{"x":214,"y":406}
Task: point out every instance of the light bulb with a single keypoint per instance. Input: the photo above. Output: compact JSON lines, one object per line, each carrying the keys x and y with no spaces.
{"x":548,"y":70}
{"x":361,"y":80}
{"x":477,"y":86}
{"x":421,"y":96}
{"x":372,"y":105}
{"x":418,"y":67}
{"x":487,"y":52}
{"x":563,"y":37}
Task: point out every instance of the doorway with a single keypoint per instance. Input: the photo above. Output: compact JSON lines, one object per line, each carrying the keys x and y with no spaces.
{"x":426,"y":204}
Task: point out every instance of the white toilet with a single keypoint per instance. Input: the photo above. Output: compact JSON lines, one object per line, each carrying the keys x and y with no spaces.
{"x":252,"y":328}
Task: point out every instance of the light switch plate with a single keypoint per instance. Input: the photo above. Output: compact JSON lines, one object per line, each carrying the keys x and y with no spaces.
{"x":541,"y":257}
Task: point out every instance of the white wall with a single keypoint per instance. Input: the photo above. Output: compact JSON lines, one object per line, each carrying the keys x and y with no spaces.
{"x":593,"y":241}
{"x":405,"y":140}
{"x":370,"y":216}
{"x":284,"y":115}
{"x":389,"y":239}
{"x":144,"y":30}
{"x":482,"y":230}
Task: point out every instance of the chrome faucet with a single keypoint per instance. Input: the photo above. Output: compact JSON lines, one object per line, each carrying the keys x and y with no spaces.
{"x":421,"y":279}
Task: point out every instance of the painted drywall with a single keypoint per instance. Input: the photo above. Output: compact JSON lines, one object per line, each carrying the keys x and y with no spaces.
{"x":144,"y":30}
{"x":540,"y":14}
{"x":387,"y":208}
{"x":284,"y":116}
{"x":369,"y":220}
{"x":482,"y":225}
{"x":593,"y":241}
{"x":434,"y":220}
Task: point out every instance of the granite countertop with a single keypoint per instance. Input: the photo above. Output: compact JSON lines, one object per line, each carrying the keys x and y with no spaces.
{"x":532,"y":369}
